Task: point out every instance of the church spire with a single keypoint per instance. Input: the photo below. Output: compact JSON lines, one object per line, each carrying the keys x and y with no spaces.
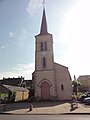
{"x":43,"y":30}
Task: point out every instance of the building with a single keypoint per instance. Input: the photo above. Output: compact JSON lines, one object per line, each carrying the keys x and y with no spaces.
{"x":10,"y":93}
{"x":13,"y":81}
{"x":51,"y":80}
{"x":27,"y":84}
{"x":85,"y":82}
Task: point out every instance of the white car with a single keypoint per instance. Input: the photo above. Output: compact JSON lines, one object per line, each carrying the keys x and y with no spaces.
{"x":87,"y":100}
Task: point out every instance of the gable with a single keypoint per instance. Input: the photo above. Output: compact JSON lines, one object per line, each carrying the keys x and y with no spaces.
{"x":62,"y":70}
{"x":59,"y":66}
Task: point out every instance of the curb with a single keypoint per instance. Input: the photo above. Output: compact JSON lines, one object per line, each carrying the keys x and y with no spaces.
{"x":44,"y":114}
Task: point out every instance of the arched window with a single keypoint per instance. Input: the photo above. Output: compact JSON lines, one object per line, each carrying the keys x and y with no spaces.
{"x":44,"y":62}
{"x":62,"y":87}
{"x":43,"y":46}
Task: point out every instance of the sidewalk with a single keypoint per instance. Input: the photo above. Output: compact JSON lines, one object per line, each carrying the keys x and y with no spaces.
{"x":44,"y":108}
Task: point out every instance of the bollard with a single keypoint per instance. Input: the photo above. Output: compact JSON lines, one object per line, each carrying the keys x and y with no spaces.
{"x":72,"y":107}
{"x":30,"y":107}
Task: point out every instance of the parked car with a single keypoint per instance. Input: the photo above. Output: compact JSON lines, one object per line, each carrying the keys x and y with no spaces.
{"x":87,"y":100}
{"x":86,"y":95}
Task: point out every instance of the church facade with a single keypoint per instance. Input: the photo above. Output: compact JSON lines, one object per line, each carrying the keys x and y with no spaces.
{"x":51,"y":81}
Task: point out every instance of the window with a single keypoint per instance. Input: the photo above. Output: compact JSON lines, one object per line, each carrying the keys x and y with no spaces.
{"x":62,"y":87}
{"x":43,"y":46}
{"x":44,"y":62}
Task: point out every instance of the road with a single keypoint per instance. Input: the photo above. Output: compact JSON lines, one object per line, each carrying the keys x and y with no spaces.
{"x":44,"y":117}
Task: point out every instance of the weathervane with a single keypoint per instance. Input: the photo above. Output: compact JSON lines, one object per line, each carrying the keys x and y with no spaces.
{"x":43,"y":2}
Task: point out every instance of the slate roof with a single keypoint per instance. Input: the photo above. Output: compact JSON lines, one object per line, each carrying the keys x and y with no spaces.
{"x":15,"y":88}
{"x":12,"y":81}
{"x":84,"y":77}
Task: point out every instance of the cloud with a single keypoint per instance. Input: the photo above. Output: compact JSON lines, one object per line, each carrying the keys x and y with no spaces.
{"x":11,"y":34}
{"x":18,"y":38}
{"x":2,"y":47}
{"x":33,"y":6}
{"x":21,"y":37}
{"x":12,"y":37}
{"x":24,"y":70}
{"x":75,"y":34}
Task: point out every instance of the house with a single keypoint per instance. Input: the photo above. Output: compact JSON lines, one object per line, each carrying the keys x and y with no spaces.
{"x":85,"y":82}
{"x":51,"y":81}
{"x":12,"y":81}
{"x":27,"y":84}
{"x":13,"y":93}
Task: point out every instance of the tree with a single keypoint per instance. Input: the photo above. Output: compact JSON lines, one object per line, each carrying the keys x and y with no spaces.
{"x":83,"y":88}
{"x":75,"y":84}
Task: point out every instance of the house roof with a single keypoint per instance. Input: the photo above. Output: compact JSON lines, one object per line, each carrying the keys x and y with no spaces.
{"x":15,"y":88}
{"x":28,"y":82}
{"x":12,"y":81}
{"x":84,"y":77}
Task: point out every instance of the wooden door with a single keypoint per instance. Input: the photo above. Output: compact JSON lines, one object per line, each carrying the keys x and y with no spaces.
{"x":45,"y":91}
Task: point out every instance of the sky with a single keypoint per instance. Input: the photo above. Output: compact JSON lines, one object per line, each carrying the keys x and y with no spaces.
{"x":67,"y":20}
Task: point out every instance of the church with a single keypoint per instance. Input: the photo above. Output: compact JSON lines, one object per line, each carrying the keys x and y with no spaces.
{"x":51,"y":81}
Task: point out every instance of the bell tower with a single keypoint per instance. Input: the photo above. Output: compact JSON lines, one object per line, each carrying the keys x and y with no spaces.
{"x":44,"y":47}
{"x":44,"y":74}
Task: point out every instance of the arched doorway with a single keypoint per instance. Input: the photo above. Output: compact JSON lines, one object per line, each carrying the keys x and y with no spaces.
{"x":45,"y":91}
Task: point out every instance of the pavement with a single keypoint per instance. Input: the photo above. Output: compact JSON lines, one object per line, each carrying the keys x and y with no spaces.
{"x":45,"y":108}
